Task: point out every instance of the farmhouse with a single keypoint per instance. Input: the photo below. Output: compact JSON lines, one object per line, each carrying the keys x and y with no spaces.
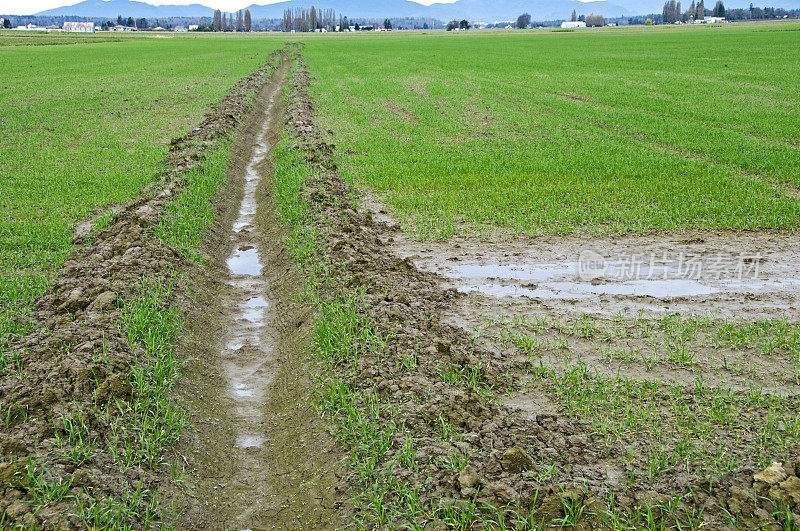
{"x":79,"y":27}
{"x":573,"y":24}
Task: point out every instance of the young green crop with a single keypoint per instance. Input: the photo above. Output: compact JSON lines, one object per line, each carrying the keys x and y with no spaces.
{"x":593,"y":131}
{"x":88,"y":125}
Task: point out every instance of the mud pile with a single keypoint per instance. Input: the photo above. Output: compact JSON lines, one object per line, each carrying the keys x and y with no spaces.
{"x":545,"y":462}
{"x":77,"y":364}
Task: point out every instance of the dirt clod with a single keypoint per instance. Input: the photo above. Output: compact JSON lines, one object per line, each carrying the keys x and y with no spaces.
{"x":516,"y":460}
{"x":104,"y":302}
{"x":17,"y":510}
{"x":115,"y":386}
{"x":442,"y":346}
{"x":80,"y":478}
{"x":12,"y":475}
{"x":468,"y":479}
{"x":771,"y":475}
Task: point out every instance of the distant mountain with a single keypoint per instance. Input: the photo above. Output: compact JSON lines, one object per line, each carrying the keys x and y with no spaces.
{"x":128,"y":8}
{"x":474,"y":10}
{"x":489,"y":11}
{"x":350,"y":8}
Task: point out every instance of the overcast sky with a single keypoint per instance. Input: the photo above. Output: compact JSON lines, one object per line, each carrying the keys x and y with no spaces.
{"x":28,"y":7}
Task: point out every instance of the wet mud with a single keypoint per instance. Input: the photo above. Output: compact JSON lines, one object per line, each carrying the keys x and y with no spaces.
{"x":728,"y":275}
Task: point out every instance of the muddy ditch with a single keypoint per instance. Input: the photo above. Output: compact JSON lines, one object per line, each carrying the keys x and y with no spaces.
{"x":506,"y":399}
{"x":261,"y":457}
{"x":82,"y":441}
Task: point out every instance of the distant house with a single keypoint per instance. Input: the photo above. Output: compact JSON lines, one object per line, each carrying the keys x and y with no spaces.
{"x":180,"y":29}
{"x":193,"y":27}
{"x":573,"y":24}
{"x":714,"y":20}
{"x":79,"y":27}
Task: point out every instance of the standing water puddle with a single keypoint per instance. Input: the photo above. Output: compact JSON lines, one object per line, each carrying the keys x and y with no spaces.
{"x":569,"y":281}
{"x":579,"y":280}
{"x":247,"y":351}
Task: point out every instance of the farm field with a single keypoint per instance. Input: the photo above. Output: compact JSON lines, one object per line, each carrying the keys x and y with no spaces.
{"x":481,"y":280}
{"x":550,"y":132}
{"x":88,"y":125}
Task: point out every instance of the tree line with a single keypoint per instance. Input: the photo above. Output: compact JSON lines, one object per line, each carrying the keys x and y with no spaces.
{"x":224,"y":22}
{"x":458,"y":24}
{"x":302,"y":20}
{"x":672,"y":12}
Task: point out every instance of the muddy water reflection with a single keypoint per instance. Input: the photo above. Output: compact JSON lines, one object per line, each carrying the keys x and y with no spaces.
{"x":566,"y":281}
{"x":247,"y":349}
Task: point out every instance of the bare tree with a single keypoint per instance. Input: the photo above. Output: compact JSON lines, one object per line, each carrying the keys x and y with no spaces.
{"x":248,"y":21}
{"x":595,"y":20}
{"x":523,"y":21}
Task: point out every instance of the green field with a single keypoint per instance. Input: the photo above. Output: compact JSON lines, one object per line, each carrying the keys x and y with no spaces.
{"x":88,"y":125}
{"x":596,"y":131}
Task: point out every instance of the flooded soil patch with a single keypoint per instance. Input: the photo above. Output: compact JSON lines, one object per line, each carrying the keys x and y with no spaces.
{"x":730,"y":275}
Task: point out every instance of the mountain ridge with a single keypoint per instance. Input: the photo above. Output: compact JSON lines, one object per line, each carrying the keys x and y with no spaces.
{"x":473,"y":10}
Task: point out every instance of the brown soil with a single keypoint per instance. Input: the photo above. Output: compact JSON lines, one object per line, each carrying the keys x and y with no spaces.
{"x":526,"y":447}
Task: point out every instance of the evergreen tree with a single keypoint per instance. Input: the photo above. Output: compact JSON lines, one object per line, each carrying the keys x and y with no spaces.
{"x":671,"y":12}
{"x":719,"y":9}
{"x":239,"y":21}
{"x":248,"y":21}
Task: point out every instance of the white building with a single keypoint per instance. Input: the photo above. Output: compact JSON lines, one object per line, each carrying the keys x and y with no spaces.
{"x":573,"y":24}
{"x":714,"y":20}
{"x":193,"y":27}
{"x":79,"y":27}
